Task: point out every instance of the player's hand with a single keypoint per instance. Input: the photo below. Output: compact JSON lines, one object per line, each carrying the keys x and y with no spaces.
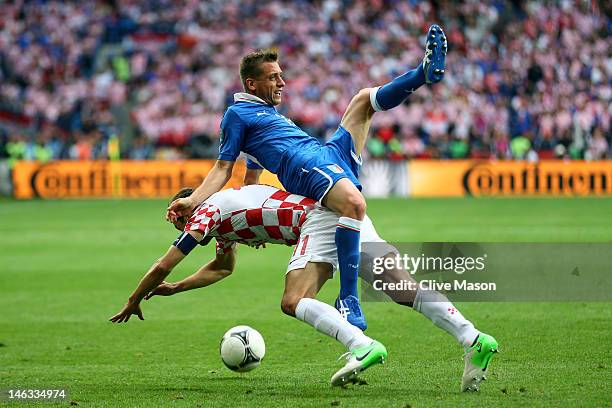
{"x":164,"y":289}
{"x":181,"y":207}
{"x":128,"y":310}
{"x":262,"y":245}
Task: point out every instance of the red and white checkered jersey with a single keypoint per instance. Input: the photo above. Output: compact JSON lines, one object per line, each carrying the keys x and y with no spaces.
{"x":251,"y":215}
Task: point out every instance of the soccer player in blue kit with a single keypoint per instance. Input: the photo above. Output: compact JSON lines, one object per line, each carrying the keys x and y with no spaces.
{"x":325,"y":172}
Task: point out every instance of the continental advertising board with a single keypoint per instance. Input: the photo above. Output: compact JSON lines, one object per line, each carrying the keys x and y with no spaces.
{"x":420,"y":178}
{"x":122,"y":179}
{"x":433,"y":178}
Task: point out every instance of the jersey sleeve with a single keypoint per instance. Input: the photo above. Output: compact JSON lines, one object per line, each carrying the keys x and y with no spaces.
{"x":232,"y":136}
{"x":251,"y":164}
{"x":205,"y":220}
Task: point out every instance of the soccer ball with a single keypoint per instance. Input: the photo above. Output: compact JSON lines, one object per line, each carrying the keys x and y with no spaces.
{"x":242,"y":348}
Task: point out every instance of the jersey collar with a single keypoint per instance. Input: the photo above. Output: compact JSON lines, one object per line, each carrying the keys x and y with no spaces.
{"x":247,"y":97}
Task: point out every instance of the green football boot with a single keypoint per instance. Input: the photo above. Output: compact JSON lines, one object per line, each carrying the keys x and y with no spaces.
{"x":359,"y":360}
{"x":477,"y":359}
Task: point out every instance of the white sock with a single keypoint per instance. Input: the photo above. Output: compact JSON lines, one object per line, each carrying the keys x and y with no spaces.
{"x":437,"y":308}
{"x":349,"y":222}
{"x":328,"y":321}
{"x":373,"y":100}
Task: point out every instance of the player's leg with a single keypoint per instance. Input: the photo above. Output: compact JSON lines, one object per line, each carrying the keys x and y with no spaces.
{"x":430,"y":71}
{"x":301,"y":288}
{"x":344,"y":198}
{"x":432,"y":304}
{"x":358,"y":115}
{"x":347,"y":201}
{"x":479,"y":347}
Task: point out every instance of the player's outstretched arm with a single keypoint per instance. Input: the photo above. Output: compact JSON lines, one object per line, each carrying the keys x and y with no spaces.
{"x":219,"y":268}
{"x":214,"y":182}
{"x":156,"y":275}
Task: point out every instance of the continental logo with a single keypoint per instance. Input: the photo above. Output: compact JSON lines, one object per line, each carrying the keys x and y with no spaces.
{"x":545,"y":178}
{"x":130,"y":179}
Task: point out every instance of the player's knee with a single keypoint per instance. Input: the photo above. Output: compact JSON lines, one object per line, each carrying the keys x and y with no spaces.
{"x":354,"y":207}
{"x":363,"y":96}
{"x":289,"y":303}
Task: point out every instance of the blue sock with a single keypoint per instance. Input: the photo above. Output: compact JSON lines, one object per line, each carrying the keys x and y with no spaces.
{"x":347,"y":244}
{"x":395,"y":92}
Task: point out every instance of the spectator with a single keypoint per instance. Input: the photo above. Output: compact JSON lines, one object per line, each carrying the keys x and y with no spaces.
{"x":167,"y":70}
{"x":519,"y":147}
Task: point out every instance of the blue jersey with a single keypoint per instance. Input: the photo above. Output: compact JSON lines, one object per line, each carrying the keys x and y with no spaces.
{"x":270,"y":140}
{"x":257,"y":129}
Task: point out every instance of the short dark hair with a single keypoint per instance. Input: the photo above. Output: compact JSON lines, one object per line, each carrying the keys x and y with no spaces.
{"x":184,"y":192}
{"x":250,"y":64}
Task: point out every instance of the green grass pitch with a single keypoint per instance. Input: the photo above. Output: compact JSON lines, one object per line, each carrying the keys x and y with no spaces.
{"x":67,"y":266}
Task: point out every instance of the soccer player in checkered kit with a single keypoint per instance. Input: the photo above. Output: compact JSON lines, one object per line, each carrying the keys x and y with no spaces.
{"x":326,"y":172}
{"x":259,"y":214}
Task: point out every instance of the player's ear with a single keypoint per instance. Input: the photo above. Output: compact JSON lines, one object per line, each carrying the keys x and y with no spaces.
{"x":250,"y":84}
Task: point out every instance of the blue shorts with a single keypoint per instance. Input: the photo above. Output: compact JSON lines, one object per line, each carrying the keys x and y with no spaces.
{"x":313,"y":173}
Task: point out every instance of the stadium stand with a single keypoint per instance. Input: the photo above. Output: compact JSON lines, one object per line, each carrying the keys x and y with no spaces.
{"x":525,"y":80}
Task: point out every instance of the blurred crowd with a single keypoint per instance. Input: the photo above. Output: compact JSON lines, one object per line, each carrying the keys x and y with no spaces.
{"x":151,"y":79}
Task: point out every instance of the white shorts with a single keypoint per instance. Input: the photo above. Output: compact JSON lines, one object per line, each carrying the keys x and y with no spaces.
{"x":318,"y":239}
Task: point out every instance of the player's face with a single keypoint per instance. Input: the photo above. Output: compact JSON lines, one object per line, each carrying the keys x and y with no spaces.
{"x":180,"y":223}
{"x":269,"y":86}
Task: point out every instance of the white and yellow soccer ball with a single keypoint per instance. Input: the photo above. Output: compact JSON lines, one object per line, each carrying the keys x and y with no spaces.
{"x":242,"y":349}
